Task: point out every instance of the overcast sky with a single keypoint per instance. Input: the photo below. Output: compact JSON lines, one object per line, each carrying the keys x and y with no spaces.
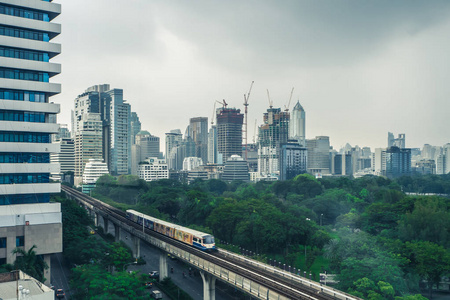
{"x":359,"y":68}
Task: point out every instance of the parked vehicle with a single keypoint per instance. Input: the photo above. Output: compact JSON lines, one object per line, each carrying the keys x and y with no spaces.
{"x":156,"y":294}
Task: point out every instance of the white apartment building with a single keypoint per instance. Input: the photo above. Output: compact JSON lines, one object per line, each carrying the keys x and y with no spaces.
{"x":191,"y":163}
{"x":153,"y":169}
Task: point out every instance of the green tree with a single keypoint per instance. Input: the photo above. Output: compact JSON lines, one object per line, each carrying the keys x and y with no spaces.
{"x":92,"y":282}
{"x":30,"y":263}
{"x":117,"y":256}
{"x":429,"y":221}
{"x":430,"y":261}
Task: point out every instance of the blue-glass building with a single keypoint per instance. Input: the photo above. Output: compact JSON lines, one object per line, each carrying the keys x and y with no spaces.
{"x":27,"y":120}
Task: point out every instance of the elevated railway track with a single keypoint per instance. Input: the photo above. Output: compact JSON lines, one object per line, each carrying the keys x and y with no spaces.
{"x":261,"y":280}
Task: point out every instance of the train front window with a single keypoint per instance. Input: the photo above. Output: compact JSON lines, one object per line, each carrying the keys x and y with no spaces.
{"x":209,"y":239}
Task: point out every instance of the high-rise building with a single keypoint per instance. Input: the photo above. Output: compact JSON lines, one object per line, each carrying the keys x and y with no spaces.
{"x":115,"y":115}
{"x":173,"y":139}
{"x":318,"y":155}
{"x":146,"y":146}
{"x":399,"y":142}
{"x":118,"y":135}
{"x":135,"y":127}
{"x":425,"y":166}
{"x":191,"y":163}
{"x":272,"y":134}
{"x":391,"y":139}
{"x":27,"y":121}
{"x":213,"y":154}
{"x":94,"y":169}
{"x":87,"y":102}
{"x":88,"y":142}
{"x":297,"y":129}
{"x":443,"y":160}
{"x":398,"y":162}
{"x":149,"y":145}
{"x":65,"y":157}
{"x":229,"y":132}
{"x":173,"y":153}
{"x":198,"y":131}
{"x":293,"y":160}
{"x":63,"y":133}
{"x":236,"y":168}
{"x":379,"y":161}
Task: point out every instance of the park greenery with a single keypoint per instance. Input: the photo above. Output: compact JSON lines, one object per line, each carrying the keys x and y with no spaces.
{"x":381,"y":242}
{"x":99,"y":267}
{"x":28,"y":262}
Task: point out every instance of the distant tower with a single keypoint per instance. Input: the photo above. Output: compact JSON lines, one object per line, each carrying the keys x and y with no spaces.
{"x":272,"y":134}
{"x":135,"y":127}
{"x":198,"y":131}
{"x":229,"y":132}
{"x":390,"y":139}
{"x":297,"y":124}
{"x":399,"y":142}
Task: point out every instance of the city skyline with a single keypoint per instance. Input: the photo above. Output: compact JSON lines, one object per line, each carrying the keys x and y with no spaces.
{"x":359,"y":71}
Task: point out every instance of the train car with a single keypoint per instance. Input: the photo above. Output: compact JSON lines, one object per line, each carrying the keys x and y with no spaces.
{"x":197,"y":239}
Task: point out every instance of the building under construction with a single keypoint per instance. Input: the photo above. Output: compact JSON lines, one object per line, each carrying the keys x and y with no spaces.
{"x":273,"y":133}
{"x":229,"y":132}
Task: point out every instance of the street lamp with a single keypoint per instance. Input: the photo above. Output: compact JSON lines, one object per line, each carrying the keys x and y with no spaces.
{"x":321,"y":215}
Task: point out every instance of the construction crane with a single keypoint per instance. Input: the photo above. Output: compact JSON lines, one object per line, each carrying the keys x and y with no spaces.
{"x":214,"y":111}
{"x":289,"y":103}
{"x":270,"y":101}
{"x":224,"y":103}
{"x":246,"y":96}
{"x":254,"y":133}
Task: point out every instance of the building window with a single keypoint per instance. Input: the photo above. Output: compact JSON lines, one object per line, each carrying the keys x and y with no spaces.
{"x":24,"y":199}
{"x":22,"y":95}
{"x":25,"y":34}
{"x":24,"y":13}
{"x":24,"y":137}
{"x":20,"y":241}
{"x":3,"y":242}
{"x":22,"y":116}
{"x":24,"y":75}
{"x":24,"y":54}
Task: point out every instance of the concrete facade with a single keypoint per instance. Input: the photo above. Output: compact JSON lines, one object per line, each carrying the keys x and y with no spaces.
{"x":26,"y":216}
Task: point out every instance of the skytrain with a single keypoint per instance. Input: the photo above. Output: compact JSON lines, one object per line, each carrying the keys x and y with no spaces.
{"x":197,"y":239}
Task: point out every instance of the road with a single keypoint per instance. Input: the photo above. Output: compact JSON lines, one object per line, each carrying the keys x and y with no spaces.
{"x":193,"y":285}
{"x":60,"y":274}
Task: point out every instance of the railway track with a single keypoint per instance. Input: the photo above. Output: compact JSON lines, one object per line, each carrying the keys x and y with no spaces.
{"x":276,"y":283}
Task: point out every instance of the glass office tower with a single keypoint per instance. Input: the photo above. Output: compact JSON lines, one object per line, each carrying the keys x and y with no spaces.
{"x":27,"y":120}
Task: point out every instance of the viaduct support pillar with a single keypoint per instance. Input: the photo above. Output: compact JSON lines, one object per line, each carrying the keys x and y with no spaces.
{"x":209,"y":286}
{"x":95,"y":216}
{"x":137,"y":247}
{"x":105,"y":225}
{"x":47,"y":272}
{"x":163,"y":266}
{"x":117,"y":233}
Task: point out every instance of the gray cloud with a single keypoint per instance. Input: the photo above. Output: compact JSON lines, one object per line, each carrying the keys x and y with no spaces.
{"x":360,"y":68}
